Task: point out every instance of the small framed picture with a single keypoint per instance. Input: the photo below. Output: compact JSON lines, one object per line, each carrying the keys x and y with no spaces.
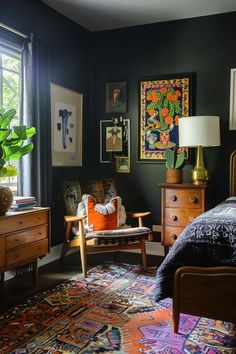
{"x":122,"y":164}
{"x":116,"y":97}
{"x":114,"y":138}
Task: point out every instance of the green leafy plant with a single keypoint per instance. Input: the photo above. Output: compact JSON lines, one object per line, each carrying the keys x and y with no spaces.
{"x":173,"y":159}
{"x":13,"y":142}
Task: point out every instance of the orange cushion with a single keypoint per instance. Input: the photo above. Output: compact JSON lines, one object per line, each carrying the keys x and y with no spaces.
{"x":99,"y":220}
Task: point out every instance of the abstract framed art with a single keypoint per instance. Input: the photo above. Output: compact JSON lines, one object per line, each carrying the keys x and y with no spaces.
{"x":162,"y":101}
{"x":66,"y":126}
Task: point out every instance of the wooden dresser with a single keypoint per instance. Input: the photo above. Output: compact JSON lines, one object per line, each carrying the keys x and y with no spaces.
{"x":181,"y":203}
{"x":24,"y":236}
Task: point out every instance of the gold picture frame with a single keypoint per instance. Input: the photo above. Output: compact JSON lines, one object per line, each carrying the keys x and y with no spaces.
{"x":122,"y":164}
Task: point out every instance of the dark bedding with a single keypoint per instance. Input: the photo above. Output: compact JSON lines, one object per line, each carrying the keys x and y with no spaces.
{"x":209,"y":240}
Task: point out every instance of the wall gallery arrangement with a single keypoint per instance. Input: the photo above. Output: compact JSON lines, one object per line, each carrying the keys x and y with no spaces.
{"x":162,"y":101}
{"x":66,"y":126}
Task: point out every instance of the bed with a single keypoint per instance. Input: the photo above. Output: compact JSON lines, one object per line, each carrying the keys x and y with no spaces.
{"x":199,"y":272}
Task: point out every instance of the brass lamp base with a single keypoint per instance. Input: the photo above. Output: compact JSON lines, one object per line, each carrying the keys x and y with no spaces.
{"x":199,"y":176}
{"x":199,"y":173}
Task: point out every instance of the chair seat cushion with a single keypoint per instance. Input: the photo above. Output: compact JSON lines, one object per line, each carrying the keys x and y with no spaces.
{"x":119,"y":237}
{"x":120,"y":233}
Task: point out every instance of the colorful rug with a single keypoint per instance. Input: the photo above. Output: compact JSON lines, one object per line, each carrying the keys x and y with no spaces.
{"x":112,"y":311}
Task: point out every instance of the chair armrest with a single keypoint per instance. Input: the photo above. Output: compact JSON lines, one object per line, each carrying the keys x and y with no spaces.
{"x":70,"y":218}
{"x":134,"y":214}
{"x":138,"y":215}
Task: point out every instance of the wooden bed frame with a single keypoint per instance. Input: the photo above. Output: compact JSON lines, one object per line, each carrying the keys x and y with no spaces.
{"x":207,"y":291}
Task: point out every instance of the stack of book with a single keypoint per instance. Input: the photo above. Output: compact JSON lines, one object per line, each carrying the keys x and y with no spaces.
{"x":23,"y":203}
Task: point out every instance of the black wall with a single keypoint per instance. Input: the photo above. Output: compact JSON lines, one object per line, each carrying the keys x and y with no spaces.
{"x":85,"y":61}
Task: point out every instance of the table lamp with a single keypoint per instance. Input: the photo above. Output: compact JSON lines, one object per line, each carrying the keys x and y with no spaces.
{"x":199,"y":131}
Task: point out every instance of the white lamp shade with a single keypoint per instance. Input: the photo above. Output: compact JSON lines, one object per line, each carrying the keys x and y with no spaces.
{"x":199,"y":131}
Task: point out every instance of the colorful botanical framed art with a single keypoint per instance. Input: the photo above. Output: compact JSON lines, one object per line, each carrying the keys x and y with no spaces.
{"x":163,"y":101}
{"x":116,"y":97}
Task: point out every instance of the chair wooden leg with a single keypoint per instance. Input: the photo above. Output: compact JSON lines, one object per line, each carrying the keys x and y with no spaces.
{"x":144,"y":254}
{"x":175,"y":319}
{"x":65,"y":248}
{"x":83,"y":257}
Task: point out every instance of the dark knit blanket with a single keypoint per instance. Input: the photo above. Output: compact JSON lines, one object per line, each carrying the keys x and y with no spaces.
{"x":209,"y":240}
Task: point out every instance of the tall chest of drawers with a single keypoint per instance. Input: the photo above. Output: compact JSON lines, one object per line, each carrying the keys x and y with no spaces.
{"x":181,"y":203}
{"x":24,"y":236}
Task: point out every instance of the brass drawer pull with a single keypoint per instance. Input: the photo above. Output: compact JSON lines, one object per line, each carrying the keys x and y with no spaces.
{"x":192,"y":199}
{"x":174,"y":217}
{"x":173,"y":198}
{"x":174,"y":236}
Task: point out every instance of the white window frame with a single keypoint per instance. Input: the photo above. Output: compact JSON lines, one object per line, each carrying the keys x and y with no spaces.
{"x":12,"y":51}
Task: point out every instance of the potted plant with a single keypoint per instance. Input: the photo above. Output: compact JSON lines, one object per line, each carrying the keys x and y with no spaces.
{"x":174,"y":165}
{"x":13,"y":145}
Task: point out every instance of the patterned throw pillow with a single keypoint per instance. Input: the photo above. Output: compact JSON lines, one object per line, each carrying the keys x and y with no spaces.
{"x":102,"y":217}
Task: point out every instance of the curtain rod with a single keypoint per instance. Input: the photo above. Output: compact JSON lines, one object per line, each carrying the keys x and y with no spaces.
{"x":13,"y":30}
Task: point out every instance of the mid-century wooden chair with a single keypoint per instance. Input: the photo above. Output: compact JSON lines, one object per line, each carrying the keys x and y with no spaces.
{"x":103,"y":240}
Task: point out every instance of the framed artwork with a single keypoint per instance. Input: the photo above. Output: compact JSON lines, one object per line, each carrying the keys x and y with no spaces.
{"x":232,"y":106}
{"x":116,"y":97}
{"x":114,"y":139}
{"x":122,"y":164}
{"x":162,"y":101}
{"x":66,"y":126}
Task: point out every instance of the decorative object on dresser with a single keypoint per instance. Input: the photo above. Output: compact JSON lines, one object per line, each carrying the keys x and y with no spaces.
{"x":174,"y":164}
{"x":199,"y":131}
{"x":181,"y":203}
{"x":21,"y":203}
{"x":24,"y":236}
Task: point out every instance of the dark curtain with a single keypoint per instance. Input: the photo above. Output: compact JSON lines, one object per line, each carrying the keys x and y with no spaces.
{"x":35,"y":176}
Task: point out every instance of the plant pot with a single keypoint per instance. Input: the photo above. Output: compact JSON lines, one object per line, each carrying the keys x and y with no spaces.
{"x":174,"y":175}
{"x":6,"y":199}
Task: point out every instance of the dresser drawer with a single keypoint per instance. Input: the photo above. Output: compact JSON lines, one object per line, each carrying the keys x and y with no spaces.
{"x":27,"y":237}
{"x":31,"y":251}
{"x":183,"y":198}
{"x":180,"y":217}
{"x":171,"y":234}
{"x":23,"y":221}
{"x":2,"y":252}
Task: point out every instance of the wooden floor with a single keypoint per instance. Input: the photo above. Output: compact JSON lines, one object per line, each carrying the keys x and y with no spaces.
{"x":16,"y":290}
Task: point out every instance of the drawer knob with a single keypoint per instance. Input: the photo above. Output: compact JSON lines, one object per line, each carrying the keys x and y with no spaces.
{"x":192,"y":199}
{"x":174,"y":236}
{"x":192,"y":217}
{"x":20,"y":222}
{"x":174,"y":217}
{"x":173,"y":198}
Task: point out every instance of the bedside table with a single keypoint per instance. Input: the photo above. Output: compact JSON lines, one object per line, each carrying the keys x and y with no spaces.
{"x":181,"y":203}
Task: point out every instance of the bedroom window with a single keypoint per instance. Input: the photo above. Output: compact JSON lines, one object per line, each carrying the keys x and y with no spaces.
{"x":10,"y":84}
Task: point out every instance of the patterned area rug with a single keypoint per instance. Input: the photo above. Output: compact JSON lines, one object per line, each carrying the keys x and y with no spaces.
{"x":112,"y":311}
